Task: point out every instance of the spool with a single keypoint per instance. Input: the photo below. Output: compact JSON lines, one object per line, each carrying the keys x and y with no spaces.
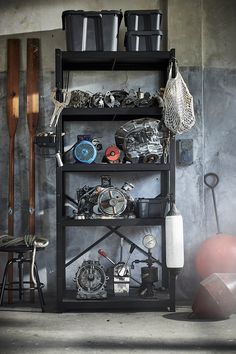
{"x":174,"y":239}
{"x":112,"y":154}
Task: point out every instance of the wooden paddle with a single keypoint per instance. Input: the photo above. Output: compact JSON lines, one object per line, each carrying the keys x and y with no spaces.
{"x":32,"y":88}
{"x":13,"y":91}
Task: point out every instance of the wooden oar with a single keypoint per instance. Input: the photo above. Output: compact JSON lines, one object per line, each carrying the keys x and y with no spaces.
{"x":13,"y":89}
{"x":32,"y":120}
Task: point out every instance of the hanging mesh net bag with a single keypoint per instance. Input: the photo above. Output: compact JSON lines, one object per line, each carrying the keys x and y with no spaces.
{"x":178,"y":103}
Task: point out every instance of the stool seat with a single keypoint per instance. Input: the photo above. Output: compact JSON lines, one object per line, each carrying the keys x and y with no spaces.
{"x":20,"y":259}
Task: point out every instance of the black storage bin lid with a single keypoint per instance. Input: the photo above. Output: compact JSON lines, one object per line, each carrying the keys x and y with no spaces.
{"x":140,"y":12}
{"x":91,"y":13}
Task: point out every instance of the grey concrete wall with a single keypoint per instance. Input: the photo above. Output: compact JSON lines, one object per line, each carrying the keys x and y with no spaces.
{"x":206,"y":59}
{"x":219,"y":110}
{"x":203,"y":34}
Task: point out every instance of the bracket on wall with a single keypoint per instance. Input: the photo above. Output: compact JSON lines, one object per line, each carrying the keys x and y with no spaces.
{"x":184,"y":152}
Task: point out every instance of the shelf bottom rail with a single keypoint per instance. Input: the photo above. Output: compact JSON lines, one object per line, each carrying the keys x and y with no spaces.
{"x":133,"y":302}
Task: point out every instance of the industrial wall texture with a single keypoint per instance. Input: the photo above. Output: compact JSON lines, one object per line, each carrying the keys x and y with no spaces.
{"x":202,"y":32}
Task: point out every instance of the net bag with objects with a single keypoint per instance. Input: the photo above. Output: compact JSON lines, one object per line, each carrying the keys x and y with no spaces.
{"x":178,"y":103}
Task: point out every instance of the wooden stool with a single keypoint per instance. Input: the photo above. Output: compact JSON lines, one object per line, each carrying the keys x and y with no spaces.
{"x":21,"y":258}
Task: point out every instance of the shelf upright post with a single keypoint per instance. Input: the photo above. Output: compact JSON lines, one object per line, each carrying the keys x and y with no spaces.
{"x":60,"y":241}
{"x":172,"y":276}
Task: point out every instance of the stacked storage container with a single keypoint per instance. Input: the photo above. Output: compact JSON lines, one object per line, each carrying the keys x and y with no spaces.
{"x":143,"y":30}
{"x":92,"y":30}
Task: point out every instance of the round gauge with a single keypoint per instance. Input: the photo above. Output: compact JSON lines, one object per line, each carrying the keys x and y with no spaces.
{"x":149,"y":241}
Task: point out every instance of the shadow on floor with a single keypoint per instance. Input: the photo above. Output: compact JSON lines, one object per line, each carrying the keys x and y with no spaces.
{"x":126,"y":345}
{"x":187,"y":317}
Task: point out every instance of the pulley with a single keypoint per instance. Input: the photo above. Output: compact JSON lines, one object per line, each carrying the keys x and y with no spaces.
{"x":112,"y":201}
{"x":91,"y":280}
{"x":112,"y":154}
{"x":85,"y":152}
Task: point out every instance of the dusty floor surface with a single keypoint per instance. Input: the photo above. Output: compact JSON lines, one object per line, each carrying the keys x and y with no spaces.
{"x":27,"y":331}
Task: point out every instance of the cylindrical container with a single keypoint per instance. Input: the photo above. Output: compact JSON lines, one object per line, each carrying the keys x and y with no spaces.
{"x":59,"y":160}
{"x":174,"y":239}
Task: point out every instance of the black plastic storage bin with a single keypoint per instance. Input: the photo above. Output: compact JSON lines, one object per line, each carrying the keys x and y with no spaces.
{"x":151,"y":207}
{"x":143,"y":20}
{"x":146,"y":41}
{"x":91,"y":30}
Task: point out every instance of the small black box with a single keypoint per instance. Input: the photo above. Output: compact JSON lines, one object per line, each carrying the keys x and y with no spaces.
{"x":151,"y":207}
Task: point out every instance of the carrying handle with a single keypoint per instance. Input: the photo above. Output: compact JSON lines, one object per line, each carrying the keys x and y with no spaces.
{"x":211,"y":180}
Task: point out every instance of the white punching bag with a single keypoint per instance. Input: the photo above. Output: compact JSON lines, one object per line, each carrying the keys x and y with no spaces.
{"x":174,"y":239}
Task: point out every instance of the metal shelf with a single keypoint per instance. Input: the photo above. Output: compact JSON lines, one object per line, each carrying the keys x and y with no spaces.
{"x":114,"y":60}
{"x":105,"y":167}
{"x":120,"y":113}
{"x":113,"y":222}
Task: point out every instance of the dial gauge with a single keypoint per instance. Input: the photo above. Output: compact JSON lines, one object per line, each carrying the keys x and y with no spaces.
{"x":149,"y":241}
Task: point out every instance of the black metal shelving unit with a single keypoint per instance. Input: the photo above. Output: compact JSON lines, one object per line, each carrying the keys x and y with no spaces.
{"x":76,"y":61}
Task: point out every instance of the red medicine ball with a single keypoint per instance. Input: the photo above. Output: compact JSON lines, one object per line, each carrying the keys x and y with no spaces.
{"x":216,"y":255}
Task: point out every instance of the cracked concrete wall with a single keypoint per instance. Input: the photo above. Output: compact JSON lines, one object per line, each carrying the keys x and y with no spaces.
{"x":203,"y":34}
{"x":206,"y":59}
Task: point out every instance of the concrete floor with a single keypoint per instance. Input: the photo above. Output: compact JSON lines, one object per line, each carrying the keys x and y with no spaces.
{"x":27,"y":331}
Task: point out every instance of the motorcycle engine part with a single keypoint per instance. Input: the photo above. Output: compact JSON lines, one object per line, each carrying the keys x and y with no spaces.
{"x":140,"y":139}
{"x":114,"y":98}
{"x":121,"y":280}
{"x":119,"y":95}
{"x":80,"y":99}
{"x":127,"y":186}
{"x":144,"y":99}
{"x":104,"y":201}
{"x":97,"y":144}
{"x":112,"y":201}
{"x":149,"y":276}
{"x":98,"y":100}
{"x":129,"y":100}
{"x":91,"y":281}
{"x":112,"y":154}
{"x":85,"y":152}
{"x":149,"y":241}
{"x":110,"y":100}
{"x":124,"y":265}
{"x":105,"y":181}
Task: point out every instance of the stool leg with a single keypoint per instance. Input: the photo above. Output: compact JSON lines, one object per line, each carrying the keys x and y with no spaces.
{"x":20,"y":271}
{"x":4,"y":279}
{"x":40,"y":293}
